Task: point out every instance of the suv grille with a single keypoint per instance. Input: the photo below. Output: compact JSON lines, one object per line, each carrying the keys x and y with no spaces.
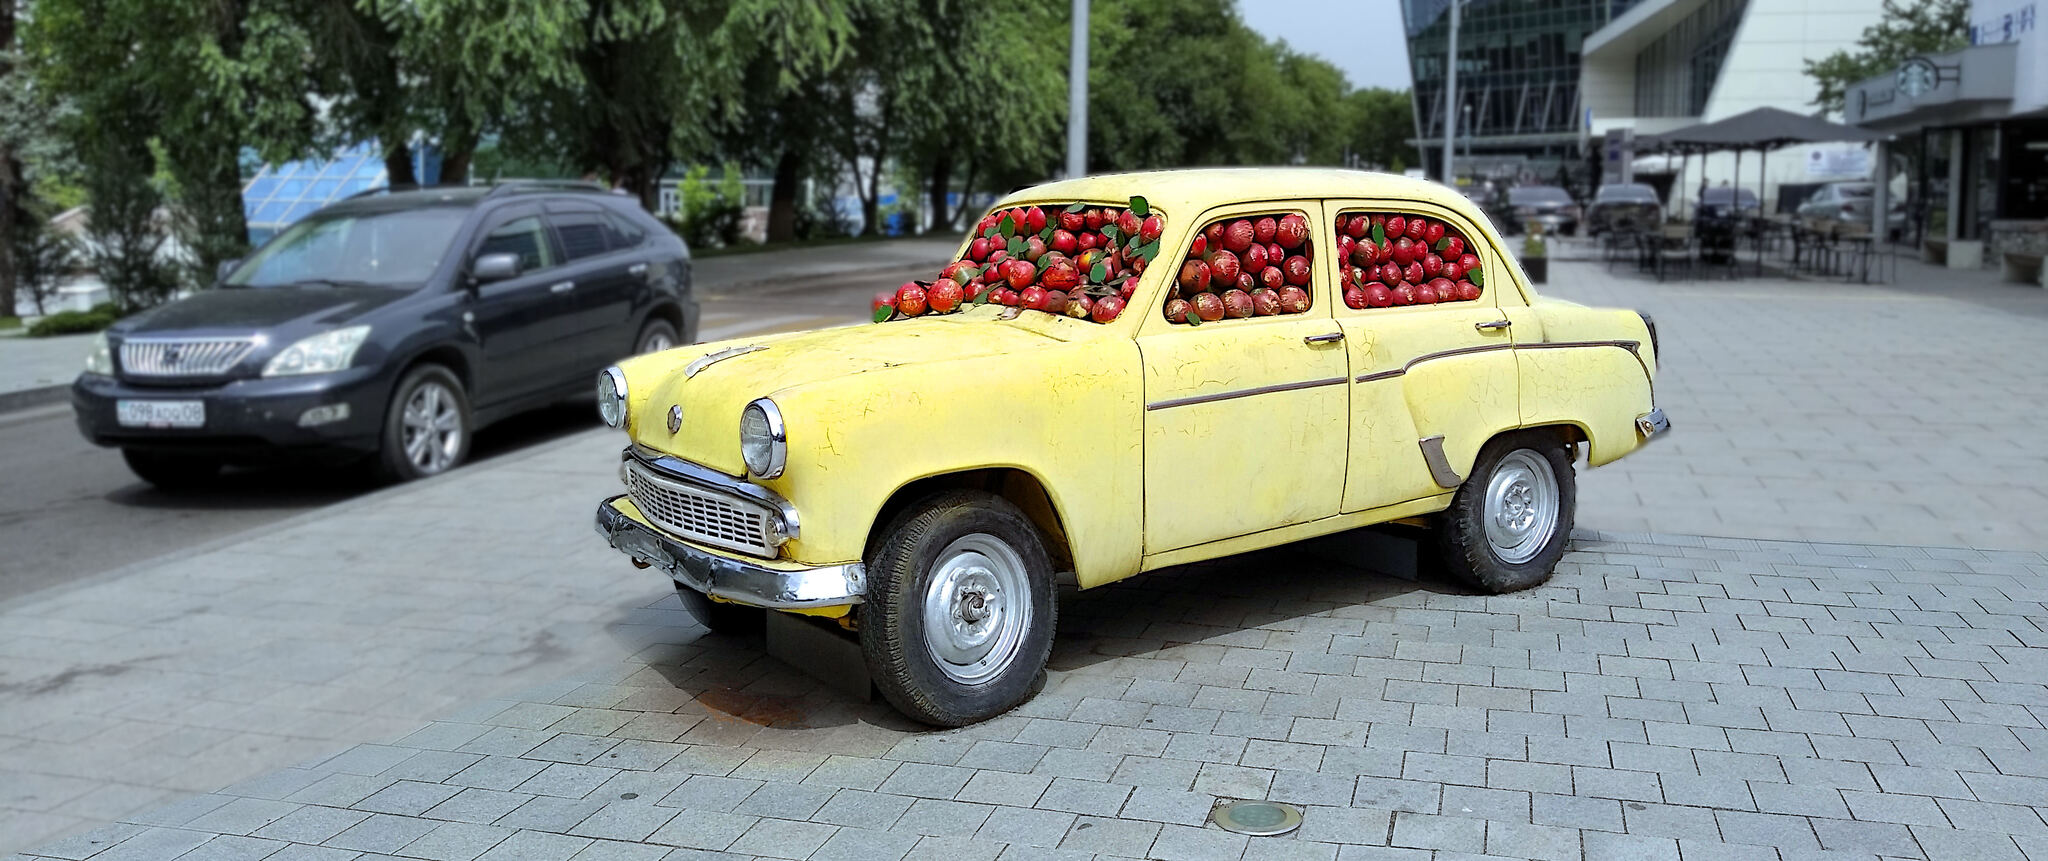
{"x":701,"y":514}
{"x":197,"y":357}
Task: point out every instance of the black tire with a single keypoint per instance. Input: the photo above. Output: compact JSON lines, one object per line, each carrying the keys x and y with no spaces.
{"x":170,"y":471}
{"x":736,"y":620}
{"x":657,"y":335}
{"x":1469,"y":555}
{"x":902,"y":568}
{"x":394,"y":461}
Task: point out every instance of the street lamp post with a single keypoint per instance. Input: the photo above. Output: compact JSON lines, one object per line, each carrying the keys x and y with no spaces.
{"x":1451,"y":94}
{"x":1077,"y":95}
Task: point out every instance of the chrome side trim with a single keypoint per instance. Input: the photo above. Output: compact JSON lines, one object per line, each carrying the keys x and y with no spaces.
{"x":684,"y":470}
{"x":1631,"y":346}
{"x":1440,"y":470}
{"x":1243,"y":393}
{"x":733,"y":579}
{"x":707,"y":360}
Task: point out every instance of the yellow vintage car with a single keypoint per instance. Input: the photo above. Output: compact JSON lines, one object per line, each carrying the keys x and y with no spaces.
{"x":929,"y":481}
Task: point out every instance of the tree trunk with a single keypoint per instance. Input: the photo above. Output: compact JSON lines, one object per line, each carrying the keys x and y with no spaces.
{"x":966,"y":192}
{"x":461,"y":147}
{"x":398,"y":165}
{"x":942,"y":176}
{"x":12,"y":189}
{"x":782,"y":201}
{"x":214,"y":225}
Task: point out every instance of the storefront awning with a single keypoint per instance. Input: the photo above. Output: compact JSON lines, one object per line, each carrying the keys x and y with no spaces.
{"x":1759,"y":129}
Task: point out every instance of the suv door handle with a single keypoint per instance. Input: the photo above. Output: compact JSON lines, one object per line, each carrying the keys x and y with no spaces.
{"x":1330,"y":338}
{"x":562,"y":287}
{"x":637,"y":269}
{"x":1492,"y":325}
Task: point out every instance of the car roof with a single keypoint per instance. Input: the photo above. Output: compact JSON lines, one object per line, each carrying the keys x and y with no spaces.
{"x":453,"y":196}
{"x":1192,"y":190}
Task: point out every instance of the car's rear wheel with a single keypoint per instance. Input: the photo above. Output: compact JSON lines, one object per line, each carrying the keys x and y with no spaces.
{"x":1511,"y":519}
{"x":171,"y":471}
{"x":655,"y":337}
{"x":959,"y":618}
{"x":719,"y":616}
{"x":427,"y":426}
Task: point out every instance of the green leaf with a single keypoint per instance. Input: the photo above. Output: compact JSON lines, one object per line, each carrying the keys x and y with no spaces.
{"x":1109,"y":233}
{"x":1099,"y":273}
{"x":884,"y":313}
{"x":1007,"y":227}
{"x":1140,"y":207}
{"x":1017,"y":247}
{"x":1194,"y":319}
{"x":1476,"y":277}
{"x":1443,"y":243}
{"x":1046,"y":234}
{"x":1077,"y":208}
{"x":1379,"y":234}
{"x":1149,"y":251}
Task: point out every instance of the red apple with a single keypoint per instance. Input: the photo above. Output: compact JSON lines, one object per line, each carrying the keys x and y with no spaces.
{"x":1177,"y":310}
{"x":1199,"y":247}
{"x":1128,"y":223}
{"x":1467,"y":291}
{"x":1088,"y":240}
{"x":1413,"y":274}
{"x":1055,"y":301}
{"x":1224,"y":267}
{"x":1073,"y":222}
{"x":1064,"y":242}
{"x":1404,"y":294}
{"x":1468,"y":262}
{"x":1107,"y":307}
{"x":1273,"y":277}
{"x":944,"y":296}
{"x":886,"y":297}
{"x":1255,"y":259}
{"x":1238,"y":236}
{"x":910,"y":300}
{"x":1417,"y":228}
{"x":1394,"y":225}
{"x":1425,"y":294}
{"x":1454,"y":248}
{"x":1297,"y":271}
{"x":1061,"y":276}
{"x":1214,"y":233}
{"x":1365,"y":253}
{"x":1237,"y":303}
{"x":1354,"y":297}
{"x":1034,"y":248}
{"x":1194,"y":277}
{"x":1265,"y":303}
{"x":978,"y":250}
{"x":1452,"y":271}
{"x":1432,"y":233}
{"x":1032,"y":298}
{"x":1378,"y":296}
{"x":1079,"y":306}
{"x":1004,"y":296}
{"x":1293,"y":300}
{"x":1208,"y":306}
{"x":1263,"y":230}
{"x":1360,"y":227}
{"x":1034,"y":218}
{"x":1292,"y":231}
{"x":1020,"y":274}
{"x":1275,"y":254}
{"x":1404,"y":251}
{"x":1432,"y":265}
{"x":1094,"y":219}
{"x":1150,"y":229}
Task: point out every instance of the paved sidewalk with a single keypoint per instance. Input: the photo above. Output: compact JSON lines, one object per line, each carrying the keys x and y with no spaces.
{"x":1904,"y":414}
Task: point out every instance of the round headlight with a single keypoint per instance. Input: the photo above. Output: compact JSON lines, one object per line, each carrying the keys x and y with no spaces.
{"x":611,"y":397}
{"x":762,"y":443}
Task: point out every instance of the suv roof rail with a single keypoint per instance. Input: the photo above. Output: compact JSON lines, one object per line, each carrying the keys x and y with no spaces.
{"x":511,"y":185}
{"x":384,"y":189}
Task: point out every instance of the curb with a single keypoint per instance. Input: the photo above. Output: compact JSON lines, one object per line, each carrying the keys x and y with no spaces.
{"x":25,"y":398}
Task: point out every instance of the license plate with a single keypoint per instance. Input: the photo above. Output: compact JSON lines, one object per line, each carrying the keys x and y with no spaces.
{"x":160,"y":414}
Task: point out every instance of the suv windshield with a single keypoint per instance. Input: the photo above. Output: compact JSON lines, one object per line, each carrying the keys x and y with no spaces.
{"x":384,"y":249}
{"x":1630,"y":193}
{"x":1530,"y":195}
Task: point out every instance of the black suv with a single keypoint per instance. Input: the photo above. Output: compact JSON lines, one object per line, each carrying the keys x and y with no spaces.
{"x":390,"y":325}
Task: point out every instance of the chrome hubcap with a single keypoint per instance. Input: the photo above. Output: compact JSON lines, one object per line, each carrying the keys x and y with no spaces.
{"x":1521,"y":506}
{"x":432,"y":428}
{"x":657,"y":342}
{"x":977,"y":606}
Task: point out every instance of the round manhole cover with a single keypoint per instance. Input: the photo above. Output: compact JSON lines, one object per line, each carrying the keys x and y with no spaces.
{"x":1257,"y":818}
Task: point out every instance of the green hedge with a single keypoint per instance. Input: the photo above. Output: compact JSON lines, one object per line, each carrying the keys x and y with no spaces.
{"x":71,"y":323}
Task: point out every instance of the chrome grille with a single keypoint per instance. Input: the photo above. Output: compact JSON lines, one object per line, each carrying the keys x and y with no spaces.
{"x":194,"y":357}
{"x":701,"y":514}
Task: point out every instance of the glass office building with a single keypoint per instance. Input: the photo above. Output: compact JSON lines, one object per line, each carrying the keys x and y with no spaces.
{"x":1518,"y":78}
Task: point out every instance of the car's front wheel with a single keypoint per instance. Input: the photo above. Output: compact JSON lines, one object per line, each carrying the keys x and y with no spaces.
{"x":170,"y":471}
{"x":1509,"y":523}
{"x":959,"y":619}
{"x":427,"y":426}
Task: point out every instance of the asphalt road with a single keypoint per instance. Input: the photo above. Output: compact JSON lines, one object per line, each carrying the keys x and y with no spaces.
{"x":69,"y":509}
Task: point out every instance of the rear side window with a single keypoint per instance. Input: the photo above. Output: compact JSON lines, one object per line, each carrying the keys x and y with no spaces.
{"x":583,"y":234}
{"x":525,"y":237}
{"x":622,"y":233}
{"x":1405,"y":258}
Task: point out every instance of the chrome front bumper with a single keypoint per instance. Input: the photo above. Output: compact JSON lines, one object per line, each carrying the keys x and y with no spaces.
{"x":722,"y":576}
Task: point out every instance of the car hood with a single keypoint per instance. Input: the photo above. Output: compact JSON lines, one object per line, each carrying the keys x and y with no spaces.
{"x":241,"y":310}
{"x":712,"y":399}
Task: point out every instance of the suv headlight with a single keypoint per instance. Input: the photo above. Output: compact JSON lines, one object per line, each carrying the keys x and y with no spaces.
{"x":100,"y":360}
{"x":762,"y":443}
{"x":319,"y":354}
{"x":611,"y":396}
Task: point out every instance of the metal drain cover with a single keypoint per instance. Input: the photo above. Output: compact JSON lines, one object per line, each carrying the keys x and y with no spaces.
{"x":1256,"y":818}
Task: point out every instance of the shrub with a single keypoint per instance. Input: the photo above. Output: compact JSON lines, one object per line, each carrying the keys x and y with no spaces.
{"x":71,"y":323}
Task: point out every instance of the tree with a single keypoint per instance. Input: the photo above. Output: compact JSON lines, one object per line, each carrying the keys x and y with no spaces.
{"x":1908,"y":29}
{"x":16,"y":111}
{"x":1382,"y":122}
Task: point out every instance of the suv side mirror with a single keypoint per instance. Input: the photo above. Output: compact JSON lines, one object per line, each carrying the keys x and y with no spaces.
{"x":227,"y":267}
{"x":495,"y":267}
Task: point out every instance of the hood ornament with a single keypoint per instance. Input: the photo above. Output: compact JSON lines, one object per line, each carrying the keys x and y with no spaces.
{"x":708,"y":360}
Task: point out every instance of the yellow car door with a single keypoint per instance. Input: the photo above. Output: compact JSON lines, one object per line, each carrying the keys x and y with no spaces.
{"x":1430,"y":383}
{"x":1244,"y":417}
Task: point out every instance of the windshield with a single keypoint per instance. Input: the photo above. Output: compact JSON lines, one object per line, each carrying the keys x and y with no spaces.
{"x":1536,"y":194}
{"x":1630,"y":193}
{"x":397,"y":248}
{"x":1855,"y":190}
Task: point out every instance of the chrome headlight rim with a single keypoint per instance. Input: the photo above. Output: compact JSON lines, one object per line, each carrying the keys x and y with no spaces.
{"x":611,"y":397}
{"x":778,"y":440}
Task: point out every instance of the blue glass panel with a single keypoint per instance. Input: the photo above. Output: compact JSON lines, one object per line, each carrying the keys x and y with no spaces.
{"x":291,"y":190}
{"x":249,"y":206}
{"x":271,"y":213}
{"x":323,"y":191}
{"x":261,"y":188}
{"x":288,"y":170}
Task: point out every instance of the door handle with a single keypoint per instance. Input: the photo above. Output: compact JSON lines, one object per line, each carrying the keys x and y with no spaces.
{"x":1330,"y":338}
{"x":562,"y":287}
{"x":1491,"y":326}
{"x":637,"y":269}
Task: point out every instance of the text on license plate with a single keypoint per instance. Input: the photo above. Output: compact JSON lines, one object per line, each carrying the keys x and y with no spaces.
{"x":161,"y":414}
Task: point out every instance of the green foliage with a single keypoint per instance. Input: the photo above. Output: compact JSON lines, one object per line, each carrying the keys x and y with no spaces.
{"x":42,"y":257}
{"x":70,"y":323}
{"x":1532,"y":245}
{"x":705,"y":215}
{"x":1908,"y":29}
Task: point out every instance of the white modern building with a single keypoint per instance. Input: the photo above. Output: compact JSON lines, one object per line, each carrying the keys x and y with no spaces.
{"x":1667,"y":64}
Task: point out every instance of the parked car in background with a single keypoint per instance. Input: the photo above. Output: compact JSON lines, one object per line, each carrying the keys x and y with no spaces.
{"x":389,"y":326}
{"x":1547,"y":205}
{"x":1844,"y":207}
{"x":1723,"y":202}
{"x":1235,"y":359}
{"x":1491,"y":202}
{"x":1625,"y":207}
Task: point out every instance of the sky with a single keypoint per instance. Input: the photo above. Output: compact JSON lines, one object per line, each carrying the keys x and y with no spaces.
{"x":1362,"y":37}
